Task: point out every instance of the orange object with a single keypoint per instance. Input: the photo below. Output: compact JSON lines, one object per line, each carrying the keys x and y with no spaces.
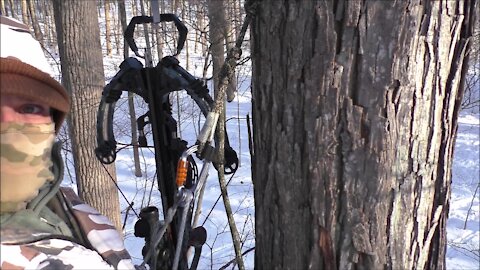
{"x":182,"y":169}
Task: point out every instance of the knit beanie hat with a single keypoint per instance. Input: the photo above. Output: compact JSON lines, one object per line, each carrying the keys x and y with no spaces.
{"x":25,"y":72}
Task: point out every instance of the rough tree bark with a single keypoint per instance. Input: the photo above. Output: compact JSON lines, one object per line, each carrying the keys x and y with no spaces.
{"x":81,"y":57}
{"x":355,"y":107}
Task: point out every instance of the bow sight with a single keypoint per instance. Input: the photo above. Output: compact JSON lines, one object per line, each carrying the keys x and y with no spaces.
{"x":167,"y":241}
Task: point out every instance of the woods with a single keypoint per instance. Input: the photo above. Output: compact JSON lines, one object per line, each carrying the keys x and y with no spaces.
{"x":355,"y":113}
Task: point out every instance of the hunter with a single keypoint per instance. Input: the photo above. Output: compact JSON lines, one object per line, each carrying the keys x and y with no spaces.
{"x":43,"y":225}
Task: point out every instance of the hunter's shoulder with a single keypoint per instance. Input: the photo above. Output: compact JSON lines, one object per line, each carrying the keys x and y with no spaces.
{"x":50,"y":254}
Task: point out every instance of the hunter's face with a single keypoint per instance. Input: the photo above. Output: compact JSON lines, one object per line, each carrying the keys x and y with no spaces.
{"x":21,"y":110}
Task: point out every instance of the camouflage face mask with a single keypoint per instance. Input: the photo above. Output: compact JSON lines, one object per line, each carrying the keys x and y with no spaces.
{"x":25,"y":152}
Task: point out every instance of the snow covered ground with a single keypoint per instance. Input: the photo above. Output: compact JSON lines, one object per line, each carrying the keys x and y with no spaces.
{"x":463,"y":251}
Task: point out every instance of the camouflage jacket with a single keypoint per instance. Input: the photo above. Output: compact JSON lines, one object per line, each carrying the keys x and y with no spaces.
{"x":59,"y":231}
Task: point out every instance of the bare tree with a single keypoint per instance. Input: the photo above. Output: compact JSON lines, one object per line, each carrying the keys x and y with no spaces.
{"x":13,"y":11}
{"x":25,"y":12}
{"x":82,"y":75}
{"x":108,"y":27}
{"x":2,"y":8}
{"x":34,"y":22}
{"x":216,"y":14}
{"x":158,"y":36}
{"x":131,"y":106}
{"x":230,"y":36}
{"x":49,"y":24}
{"x":355,"y":107}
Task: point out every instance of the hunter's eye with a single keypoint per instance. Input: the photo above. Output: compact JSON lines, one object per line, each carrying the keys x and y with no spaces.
{"x":35,"y":109}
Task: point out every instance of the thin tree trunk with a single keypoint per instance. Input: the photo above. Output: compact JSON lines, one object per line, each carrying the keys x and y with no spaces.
{"x":148,"y":50}
{"x":108,"y":27}
{"x":134,"y":13}
{"x":13,"y":12}
{"x":158,"y":35}
{"x":35,"y":24}
{"x":117,"y":29}
{"x":187,"y":49}
{"x":49,"y":22}
{"x":216,"y":13}
{"x":198,"y":30}
{"x":238,"y":16}
{"x":355,"y":116}
{"x":134,"y":7}
{"x":82,"y":75}
{"x":131,"y":106}
{"x":25,"y":12}
{"x":3,"y":10}
{"x":229,"y":37}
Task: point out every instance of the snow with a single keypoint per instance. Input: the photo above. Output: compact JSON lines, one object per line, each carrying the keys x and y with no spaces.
{"x":463,"y":250}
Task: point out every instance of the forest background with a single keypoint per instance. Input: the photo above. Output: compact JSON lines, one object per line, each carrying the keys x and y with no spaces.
{"x":138,"y":182}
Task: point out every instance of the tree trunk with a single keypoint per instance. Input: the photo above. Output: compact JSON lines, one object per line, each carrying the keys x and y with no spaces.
{"x":230,"y":37}
{"x":216,"y":14}
{"x":108,"y":27}
{"x":78,"y":36}
{"x":13,"y":12}
{"x":131,"y":107}
{"x":49,"y":26}
{"x":134,"y":7}
{"x":36,"y":26}
{"x":24,"y":13}
{"x":185,"y":17}
{"x":355,"y":107}
{"x":148,"y":49}
{"x":3,"y":10}
{"x":117,"y":27}
{"x":158,"y":36}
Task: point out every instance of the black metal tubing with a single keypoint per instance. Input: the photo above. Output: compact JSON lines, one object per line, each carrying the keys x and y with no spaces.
{"x":168,"y":17}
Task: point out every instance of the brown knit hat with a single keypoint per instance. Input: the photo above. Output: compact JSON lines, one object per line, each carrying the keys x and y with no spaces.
{"x":24,"y":70}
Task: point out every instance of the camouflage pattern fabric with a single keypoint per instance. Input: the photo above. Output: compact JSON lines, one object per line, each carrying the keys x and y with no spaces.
{"x":23,"y":249}
{"x":51,"y":254}
{"x":25,"y":159}
{"x":100,"y":232}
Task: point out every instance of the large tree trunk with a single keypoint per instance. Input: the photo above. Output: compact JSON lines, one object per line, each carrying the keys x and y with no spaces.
{"x":82,"y":75}
{"x":355,"y":107}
